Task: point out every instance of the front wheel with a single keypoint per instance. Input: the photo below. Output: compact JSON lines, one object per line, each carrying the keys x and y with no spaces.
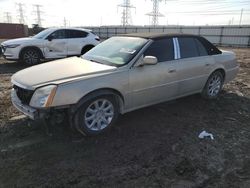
{"x":31,"y":57}
{"x":96,"y":115}
{"x":213,"y":86}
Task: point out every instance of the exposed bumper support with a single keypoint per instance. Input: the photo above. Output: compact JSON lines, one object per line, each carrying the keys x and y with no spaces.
{"x":27,"y":110}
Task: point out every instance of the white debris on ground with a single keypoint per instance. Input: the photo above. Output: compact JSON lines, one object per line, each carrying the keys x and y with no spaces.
{"x":204,"y":134}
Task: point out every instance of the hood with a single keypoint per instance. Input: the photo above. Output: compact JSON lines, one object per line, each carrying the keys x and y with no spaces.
{"x":58,"y":71}
{"x":17,"y":41}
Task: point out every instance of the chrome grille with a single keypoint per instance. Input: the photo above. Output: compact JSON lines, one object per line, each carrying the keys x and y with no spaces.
{"x":24,"y":95}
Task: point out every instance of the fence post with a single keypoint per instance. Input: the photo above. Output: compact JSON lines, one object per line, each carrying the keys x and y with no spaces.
{"x":248,"y":45}
{"x":199,"y":30}
{"x":107,"y":32}
{"x":221,"y":35}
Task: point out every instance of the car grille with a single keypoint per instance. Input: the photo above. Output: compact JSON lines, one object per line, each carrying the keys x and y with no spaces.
{"x":24,"y":95}
{"x":2,"y":48}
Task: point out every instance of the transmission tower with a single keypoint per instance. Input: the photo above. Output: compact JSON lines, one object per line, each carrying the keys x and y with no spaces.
{"x":126,"y":18}
{"x":155,"y":14}
{"x":64,"y":22}
{"x":20,"y":13}
{"x":38,"y":13}
{"x":8,"y":17}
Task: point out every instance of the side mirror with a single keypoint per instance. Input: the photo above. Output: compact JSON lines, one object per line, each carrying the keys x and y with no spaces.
{"x":150,"y":60}
{"x":50,"y":38}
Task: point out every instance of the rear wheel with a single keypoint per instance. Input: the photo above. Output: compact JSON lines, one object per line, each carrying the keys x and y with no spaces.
{"x":213,"y":86}
{"x":97,"y":115}
{"x":30,"y":56}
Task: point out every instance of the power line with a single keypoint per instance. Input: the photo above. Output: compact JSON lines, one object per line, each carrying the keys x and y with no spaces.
{"x":64,"y":22}
{"x":8,"y":17}
{"x":155,"y":14}
{"x":38,"y":14}
{"x":126,"y":18}
{"x":241,"y":14}
{"x":20,"y":13}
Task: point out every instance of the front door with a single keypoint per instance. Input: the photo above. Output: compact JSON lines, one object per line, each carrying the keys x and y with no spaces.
{"x":56,"y":45}
{"x":151,"y":84}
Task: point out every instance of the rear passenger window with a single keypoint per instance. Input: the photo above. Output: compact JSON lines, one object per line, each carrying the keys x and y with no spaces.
{"x":188,"y":47}
{"x":201,"y":49}
{"x":162,"y":49}
{"x":76,"y":34}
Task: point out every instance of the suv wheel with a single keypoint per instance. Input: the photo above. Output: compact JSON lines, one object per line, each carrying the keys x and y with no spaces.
{"x":97,"y":115}
{"x":213,"y":86}
{"x":31,"y":56}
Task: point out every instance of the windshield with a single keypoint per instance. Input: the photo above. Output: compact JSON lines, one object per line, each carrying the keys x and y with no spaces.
{"x":116,"y":51}
{"x":42,"y":34}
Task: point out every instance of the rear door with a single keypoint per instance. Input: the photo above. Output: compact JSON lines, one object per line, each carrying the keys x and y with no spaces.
{"x":57,"y":46}
{"x":193,"y":65}
{"x":76,"y":41}
{"x":151,"y":84}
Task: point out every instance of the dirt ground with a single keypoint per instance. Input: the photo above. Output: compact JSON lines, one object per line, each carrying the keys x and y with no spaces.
{"x":156,"y":146}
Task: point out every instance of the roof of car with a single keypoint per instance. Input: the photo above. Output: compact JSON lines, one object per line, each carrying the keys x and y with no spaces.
{"x":73,"y":28}
{"x":157,"y":35}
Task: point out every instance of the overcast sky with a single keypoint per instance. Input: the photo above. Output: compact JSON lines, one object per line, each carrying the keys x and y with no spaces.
{"x":106,"y":12}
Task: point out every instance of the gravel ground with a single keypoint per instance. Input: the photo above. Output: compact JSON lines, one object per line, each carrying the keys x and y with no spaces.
{"x":156,"y":146}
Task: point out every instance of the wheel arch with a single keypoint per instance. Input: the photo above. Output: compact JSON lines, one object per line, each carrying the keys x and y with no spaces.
{"x":221,"y":70}
{"x":31,"y":47}
{"x":87,"y":47}
{"x":100,"y":92}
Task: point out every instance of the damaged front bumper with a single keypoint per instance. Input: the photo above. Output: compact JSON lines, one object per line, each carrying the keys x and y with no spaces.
{"x":32,"y":113}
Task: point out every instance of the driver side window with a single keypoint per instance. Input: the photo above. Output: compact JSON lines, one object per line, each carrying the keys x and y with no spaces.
{"x":59,"y":34}
{"x":163,"y":49}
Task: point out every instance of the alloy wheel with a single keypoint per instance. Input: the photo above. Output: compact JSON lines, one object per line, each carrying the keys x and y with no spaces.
{"x":99,"y":114}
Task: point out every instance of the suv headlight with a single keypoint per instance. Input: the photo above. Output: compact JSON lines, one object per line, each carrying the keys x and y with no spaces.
{"x":43,"y":97}
{"x":12,"y":46}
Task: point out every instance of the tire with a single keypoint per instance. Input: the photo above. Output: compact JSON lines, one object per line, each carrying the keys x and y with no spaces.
{"x":213,"y":86}
{"x":96,"y":115}
{"x":86,"y":49}
{"x":31,"y":56}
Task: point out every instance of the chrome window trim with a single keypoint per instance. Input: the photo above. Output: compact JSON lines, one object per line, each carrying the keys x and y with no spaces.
{"x":178,"y":49}
{"x":175,"y":49}
{"x":177,"y":54}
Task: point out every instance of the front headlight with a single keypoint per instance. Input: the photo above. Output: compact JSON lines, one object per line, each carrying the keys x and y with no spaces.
{"x":43,"y":97}
{"x":12,"y":46}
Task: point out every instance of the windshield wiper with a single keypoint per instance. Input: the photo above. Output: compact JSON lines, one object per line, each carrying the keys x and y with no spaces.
{"x":96,"y":61}
{"x":107,"y":63}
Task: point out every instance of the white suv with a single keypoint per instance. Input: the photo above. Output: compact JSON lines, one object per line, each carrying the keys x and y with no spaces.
{"x":51,"y":43}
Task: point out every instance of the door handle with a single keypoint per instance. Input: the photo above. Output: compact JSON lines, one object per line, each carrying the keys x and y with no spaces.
{"x":172,"y":70}
{"x":207,"y":64}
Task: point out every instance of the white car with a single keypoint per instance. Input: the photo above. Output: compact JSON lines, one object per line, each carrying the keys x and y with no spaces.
{"x":51,"y":43}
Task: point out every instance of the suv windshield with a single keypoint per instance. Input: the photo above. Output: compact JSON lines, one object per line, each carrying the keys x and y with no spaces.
{"x":116,"y":51}
{"x":42,"y":34}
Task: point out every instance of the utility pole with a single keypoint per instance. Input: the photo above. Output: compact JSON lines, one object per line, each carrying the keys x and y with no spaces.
{"x":8,"y":17}
{"x":64,"y":22}
{"x":241,"y":14}
{"x":155,"y":14}
{"x":20,"y":13}
{"x":38,"y":14}
{"x":126,"y":18}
